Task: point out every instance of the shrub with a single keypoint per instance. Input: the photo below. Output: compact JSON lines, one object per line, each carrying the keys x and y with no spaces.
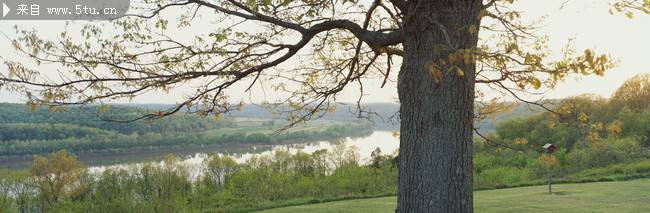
{"x":612,"y":150}
{"x":501,"y":176}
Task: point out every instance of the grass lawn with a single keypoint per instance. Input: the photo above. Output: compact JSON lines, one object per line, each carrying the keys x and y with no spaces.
{"x":626,"y":196}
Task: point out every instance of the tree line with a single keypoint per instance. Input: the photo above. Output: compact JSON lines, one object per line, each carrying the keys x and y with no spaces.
{"x":40,"y":131}
{"x":223,"y":186}
{"x":98,"y":116}
{"x":101,"y":141}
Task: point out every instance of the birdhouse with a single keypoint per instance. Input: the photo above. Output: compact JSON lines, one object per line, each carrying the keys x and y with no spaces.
{"x":549,"y":148}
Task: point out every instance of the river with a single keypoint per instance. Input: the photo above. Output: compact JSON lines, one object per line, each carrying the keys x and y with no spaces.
{"x":386,"y":141}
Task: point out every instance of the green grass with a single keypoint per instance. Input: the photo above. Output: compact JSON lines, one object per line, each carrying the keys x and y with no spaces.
{"x":622,"y":196}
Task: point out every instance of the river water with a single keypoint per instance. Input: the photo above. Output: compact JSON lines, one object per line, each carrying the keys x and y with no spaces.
{"x":386,"y":141}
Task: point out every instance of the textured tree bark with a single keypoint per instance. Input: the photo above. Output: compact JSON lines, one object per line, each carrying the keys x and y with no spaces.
{"x":435,"y":163}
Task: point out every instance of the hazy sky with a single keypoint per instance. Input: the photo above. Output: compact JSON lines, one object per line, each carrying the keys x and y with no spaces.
{"x":588,"y":21}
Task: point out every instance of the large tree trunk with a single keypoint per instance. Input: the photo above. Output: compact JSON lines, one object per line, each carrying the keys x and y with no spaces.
{"x":435,"y":163}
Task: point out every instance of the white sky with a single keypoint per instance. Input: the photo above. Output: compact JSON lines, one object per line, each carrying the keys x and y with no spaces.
{"x":588,"y":21}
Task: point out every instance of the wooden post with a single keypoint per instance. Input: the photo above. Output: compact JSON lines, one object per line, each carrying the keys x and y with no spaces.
{"x":549,"y":178}
{"x":549,"y":149}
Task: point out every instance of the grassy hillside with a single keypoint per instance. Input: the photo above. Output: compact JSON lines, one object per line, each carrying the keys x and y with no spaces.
{"x":626,"y":196}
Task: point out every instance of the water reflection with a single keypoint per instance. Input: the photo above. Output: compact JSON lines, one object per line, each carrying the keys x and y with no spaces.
{"x":384,"y":140}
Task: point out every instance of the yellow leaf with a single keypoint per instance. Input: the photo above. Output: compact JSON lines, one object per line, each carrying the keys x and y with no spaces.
{"x":549,"y":160}
{"x":396,"y":134}
{"x":520,"y":141}
{"x":582,"y":117}
{"x":536,"y":83}
{"x":240,"y":106}
{"x":551,"y":125}
{"x":472,"y":29}
{"x":434,"y":71}
{"x":614,"y":128}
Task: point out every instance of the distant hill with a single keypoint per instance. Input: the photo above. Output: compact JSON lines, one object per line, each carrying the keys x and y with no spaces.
{"x":384,"y":116}
{"x":25,"y":130}
{"x":92,"y":116}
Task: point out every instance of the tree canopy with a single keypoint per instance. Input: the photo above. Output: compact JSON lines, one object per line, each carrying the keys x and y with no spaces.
{"x":634,"y":93}
{"x":310,"y":51}
{"x":337,"y":43}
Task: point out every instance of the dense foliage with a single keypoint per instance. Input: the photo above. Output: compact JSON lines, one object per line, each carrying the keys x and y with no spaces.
{"x":170,"y":187}
{"x":592,"y":134}
{"x":220,"y":184}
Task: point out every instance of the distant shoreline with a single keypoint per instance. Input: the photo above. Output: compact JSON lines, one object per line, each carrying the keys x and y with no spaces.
{"x":143,"y":154}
